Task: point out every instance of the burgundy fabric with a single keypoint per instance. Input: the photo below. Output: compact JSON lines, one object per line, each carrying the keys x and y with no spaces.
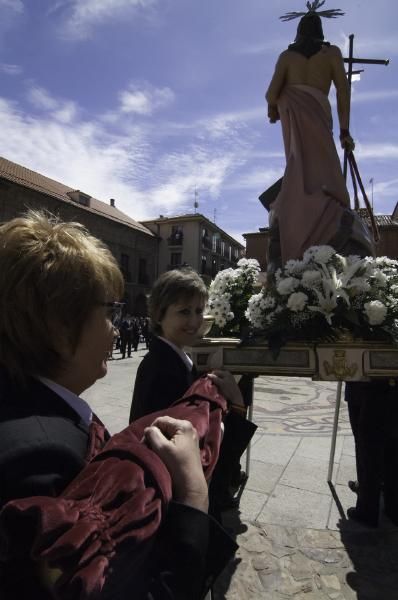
{"x":120,"y":497}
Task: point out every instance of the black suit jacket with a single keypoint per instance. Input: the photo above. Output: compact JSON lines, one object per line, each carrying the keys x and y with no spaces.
{"x":43,"y":441}
{"x":162,"y":378}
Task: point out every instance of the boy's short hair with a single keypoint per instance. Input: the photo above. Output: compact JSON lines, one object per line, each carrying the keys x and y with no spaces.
{"x":52,"y":276}
{"x":171,"y":287}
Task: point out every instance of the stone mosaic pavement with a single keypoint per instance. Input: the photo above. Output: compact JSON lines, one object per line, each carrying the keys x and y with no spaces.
{"x":294,"y":540}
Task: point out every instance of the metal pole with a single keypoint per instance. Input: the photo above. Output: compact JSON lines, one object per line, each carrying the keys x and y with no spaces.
{"x":250,"y":418}
{"x":334,"y":433}
{"x":349,"y":77}
{"x":372,"y":194}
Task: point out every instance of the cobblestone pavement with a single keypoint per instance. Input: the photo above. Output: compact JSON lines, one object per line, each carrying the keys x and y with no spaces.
{"x":294,"y":540}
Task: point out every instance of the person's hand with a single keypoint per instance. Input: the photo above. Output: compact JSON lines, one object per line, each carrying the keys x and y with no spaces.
{"x":176,"y":442}
{"x":273,"y":113}
{"x":227,"y":385}
{"x":347,"y":143}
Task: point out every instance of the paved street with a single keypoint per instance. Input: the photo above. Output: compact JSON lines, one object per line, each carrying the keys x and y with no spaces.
{"x":294,"y":539}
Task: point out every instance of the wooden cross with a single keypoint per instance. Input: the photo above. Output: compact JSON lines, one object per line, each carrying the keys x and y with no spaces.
{"x":351,"y":60}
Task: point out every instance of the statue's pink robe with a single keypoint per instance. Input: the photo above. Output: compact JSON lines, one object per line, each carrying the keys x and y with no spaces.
{"x":313,"y":196}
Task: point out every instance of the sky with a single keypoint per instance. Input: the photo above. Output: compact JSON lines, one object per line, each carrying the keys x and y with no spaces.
{"x":148,"y":101}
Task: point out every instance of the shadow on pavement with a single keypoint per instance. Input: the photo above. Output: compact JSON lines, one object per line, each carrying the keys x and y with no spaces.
{"x":374,"y":557}
{"x":233,"y":525}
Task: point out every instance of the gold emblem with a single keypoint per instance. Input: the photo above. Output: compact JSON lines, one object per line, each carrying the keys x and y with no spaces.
{"x":339,"y":366}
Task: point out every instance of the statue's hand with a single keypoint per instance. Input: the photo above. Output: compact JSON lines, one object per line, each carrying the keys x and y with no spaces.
{"x":347,"y":143}
{"x":273,"y":113}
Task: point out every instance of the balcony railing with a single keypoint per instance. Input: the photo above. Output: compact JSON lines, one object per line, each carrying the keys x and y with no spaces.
{"x":175,"y":240}
{"x":206,"y":242}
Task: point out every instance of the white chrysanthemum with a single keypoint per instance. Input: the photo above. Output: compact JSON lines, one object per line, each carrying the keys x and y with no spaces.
{"x":294,"y":267}
{"x":384,"y":261}
{"x":358,"y":285}
{"x":250,"y":263}
{"x":286,"y":286}
{"x":297,"y":301}
{"x":254,"y":312}
{"x":220,"y":308}
{"x":310,"y":278}
{"x":380,"y":278}
{"x":267,"y":302}
{"x":319,"y":254}
{"x":375,"y":311}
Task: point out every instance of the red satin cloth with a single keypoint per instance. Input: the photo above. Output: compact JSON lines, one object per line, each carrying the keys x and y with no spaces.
{"x":121,"y":496}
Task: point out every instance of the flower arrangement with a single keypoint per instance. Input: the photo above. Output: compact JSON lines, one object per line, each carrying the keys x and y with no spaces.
{"x":229,"y":294}
{"x":325,"y":292}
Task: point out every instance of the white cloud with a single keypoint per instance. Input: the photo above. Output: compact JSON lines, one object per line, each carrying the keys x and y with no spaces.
{"x":269,"y":47}
{"x":10,"y":69}
{"x":386,"y":189}
{"x":178,"y":174}
{"x":61,"y":110}
{"x":15,"y":5}
{"x":385,"y":151}
{"x":66,"y":112}
{"x":377,"y":47}
{"x":373,"y":95}
{"x":41,"y":99}
{"x":143,"y":100}
{"x":257,"y":180}
{"x":83,"y":15}
{"x":126,"y":166}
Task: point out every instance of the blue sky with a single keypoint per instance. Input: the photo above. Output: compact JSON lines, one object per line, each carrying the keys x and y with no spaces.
{"x":144,"y":100}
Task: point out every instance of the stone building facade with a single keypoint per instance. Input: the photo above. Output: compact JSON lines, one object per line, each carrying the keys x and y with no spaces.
{"x":134,"y":246}
{"x":193,"y":240}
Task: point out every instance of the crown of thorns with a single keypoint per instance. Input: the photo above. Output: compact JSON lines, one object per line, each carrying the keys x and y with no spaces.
{"x":312,"y":10}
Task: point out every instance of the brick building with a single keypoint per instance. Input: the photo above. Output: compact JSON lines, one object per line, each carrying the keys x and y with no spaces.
{"x":195,"y":241}
{"x":134,"y":246}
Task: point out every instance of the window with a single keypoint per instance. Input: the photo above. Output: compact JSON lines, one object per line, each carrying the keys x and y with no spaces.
{"x":176,"y":235}
{"x":124,"y":266}
{"x":203,"y":265}
{"x":175,"y":259}
{"x":206,"y":239}
{"x":142,"y":274}
{"x":79,"y":197}
{"x":213,"y":267}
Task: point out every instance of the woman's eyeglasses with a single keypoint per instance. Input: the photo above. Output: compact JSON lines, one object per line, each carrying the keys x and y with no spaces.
{"x":113,"y":309}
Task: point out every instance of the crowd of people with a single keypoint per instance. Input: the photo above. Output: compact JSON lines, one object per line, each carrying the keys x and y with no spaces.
{"x":129,"y":332}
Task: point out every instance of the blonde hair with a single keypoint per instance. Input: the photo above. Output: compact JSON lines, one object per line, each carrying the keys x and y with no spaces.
{"x":52,"y":276}
{"x":171,"y":287}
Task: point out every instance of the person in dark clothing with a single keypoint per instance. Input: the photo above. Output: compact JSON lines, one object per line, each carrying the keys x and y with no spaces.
{"x":176,"y":308}
{"x":145,"y":331}
{"x":61,"y":285}
{"x":373,"y":412}
{"x":135,"y":333}
{"x":126,"y":336}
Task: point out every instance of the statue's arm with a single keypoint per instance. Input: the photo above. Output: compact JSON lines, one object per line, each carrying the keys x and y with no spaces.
{"x":275,"y":88}
{"x":342,"y":90}
{"x":343,"y":99}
